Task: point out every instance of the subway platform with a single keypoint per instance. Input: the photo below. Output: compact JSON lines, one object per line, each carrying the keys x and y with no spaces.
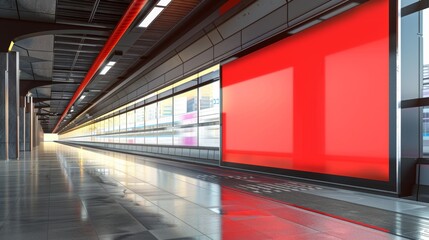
{"x":64,"y":192}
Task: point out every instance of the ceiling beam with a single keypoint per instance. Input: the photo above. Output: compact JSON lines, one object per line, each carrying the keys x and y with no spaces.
{"x":47,"y":106}
{"x":36,"y":100}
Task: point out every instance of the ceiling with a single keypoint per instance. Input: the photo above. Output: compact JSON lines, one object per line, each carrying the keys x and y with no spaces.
{"x":57,"y":62}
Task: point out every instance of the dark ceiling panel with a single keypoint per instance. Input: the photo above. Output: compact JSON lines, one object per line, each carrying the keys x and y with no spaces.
{"x":66,"y":58}
{"x":12,"y":14}
{"x":8,"y":4}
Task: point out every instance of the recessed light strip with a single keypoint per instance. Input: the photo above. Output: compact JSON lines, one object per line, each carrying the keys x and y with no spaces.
{"x":163,"y":3}
{"x":107,"y":68}
{"x":150,"y":17}
{"x":153,"y":14}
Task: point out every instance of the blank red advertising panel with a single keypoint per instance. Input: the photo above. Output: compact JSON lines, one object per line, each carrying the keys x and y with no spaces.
{"x":317,"y":101}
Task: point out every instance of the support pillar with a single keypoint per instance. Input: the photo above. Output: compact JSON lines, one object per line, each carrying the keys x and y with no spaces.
{"x":13,"y":75}
{"x":28,"y":125}
{"x":9,"y":102}
{"x":4,"y":133}
{"x":22,"y":126}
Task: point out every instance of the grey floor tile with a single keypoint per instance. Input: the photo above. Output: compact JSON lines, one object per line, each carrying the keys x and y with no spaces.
{"x":61,"y":193}
{"x":176,"y":232}
{"x":129,"y":236}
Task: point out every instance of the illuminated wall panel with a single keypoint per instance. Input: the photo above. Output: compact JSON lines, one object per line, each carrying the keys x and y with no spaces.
{"x":317,"y":101}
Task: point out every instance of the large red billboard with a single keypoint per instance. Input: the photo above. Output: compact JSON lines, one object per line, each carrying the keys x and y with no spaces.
{"x":317,"y":101}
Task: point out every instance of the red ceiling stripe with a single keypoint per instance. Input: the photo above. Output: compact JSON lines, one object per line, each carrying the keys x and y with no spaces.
{"x":127,"y":19}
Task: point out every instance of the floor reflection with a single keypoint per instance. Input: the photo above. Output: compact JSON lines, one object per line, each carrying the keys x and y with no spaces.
{"x":63,"y":192}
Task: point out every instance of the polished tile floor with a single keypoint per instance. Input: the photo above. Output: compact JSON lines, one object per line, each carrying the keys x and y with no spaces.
{"x":63,"y":192}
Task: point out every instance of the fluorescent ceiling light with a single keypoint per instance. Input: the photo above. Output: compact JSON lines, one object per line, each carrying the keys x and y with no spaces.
{"x":105,"y":70}
{"x":163,"y":3}
{"x":11,"y":46}
{"x":82,"y":97}
{"x":150,"y":17}
{"x":107,"y":67}
{"x":72,"y":110}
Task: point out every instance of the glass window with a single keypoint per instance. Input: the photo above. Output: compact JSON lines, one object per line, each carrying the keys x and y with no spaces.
{"x":165,"y":113}
{"x":92,"y":127}
{"x":111,"y":129}
{"x":116,"y":123}
{"x":151,"y":137}
{"x":150,"y":116}
{"x":186,"y":136}
{"x":130,"y":120}
{"x":106,"y":125}
{"x":185,"y":108}
{"x":96,"y":129}
{"x":187,"y":119}
{"x":139,"y":116}
{"x":122,"y":138}
{"x":139,"y":138}
{"x":209,"y":136}
{"x":209,"y":100}
{"x":165,"y":137}
{"x":123,"y":122}
{"x":425,"y":86}
{"x":210,"y":76}
{"x":100,"y":127}
{"x":131,"y":139}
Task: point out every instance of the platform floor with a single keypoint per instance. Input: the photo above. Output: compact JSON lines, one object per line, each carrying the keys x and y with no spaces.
{"x":63,"y":192}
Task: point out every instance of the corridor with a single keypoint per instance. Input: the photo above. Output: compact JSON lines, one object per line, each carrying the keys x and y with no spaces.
{"x":63,"y":192}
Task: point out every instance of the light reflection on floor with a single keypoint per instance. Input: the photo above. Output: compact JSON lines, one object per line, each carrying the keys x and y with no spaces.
{"x":62,"y":192}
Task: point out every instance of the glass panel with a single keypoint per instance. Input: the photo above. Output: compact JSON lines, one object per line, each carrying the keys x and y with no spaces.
{"x":425,"y":87}
{"x":131,"y":138}
{"x":130,"y":120}
{"x":103,"y":126}
{"x":116,"y":123}
{"x":150,"y":116}
{"x":209,"y":76}
{"x":139,"y":138}
{"x":165,"y":137}
{"x":139,"y":118}
{"x":185,"y":108}
{"x":111,"y":123}
{"x":209,"y":103}
{"x":185,"y":136}
{"x":159,"y":117}
{"x":116,"y":138}
{"x":123,"y":122}
{"x":209,"y":136}
{"x":151,"y":137}
{"x":122,"y":138}
{"x":165,"y":113}
{"x":97,"y":128}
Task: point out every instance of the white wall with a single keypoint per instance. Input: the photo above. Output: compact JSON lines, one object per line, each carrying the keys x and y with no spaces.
{"x":50,"y":137}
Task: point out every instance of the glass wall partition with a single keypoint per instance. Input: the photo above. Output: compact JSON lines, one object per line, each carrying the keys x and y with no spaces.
{"x":186,"y":113}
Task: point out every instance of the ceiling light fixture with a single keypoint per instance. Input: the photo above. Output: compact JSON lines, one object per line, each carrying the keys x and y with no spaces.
{"x":82,"y":97}
{"x":163,"y":3}
{"x":11,"y":46}
{"x":150,"y":17}
{"x":107,"y":68}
